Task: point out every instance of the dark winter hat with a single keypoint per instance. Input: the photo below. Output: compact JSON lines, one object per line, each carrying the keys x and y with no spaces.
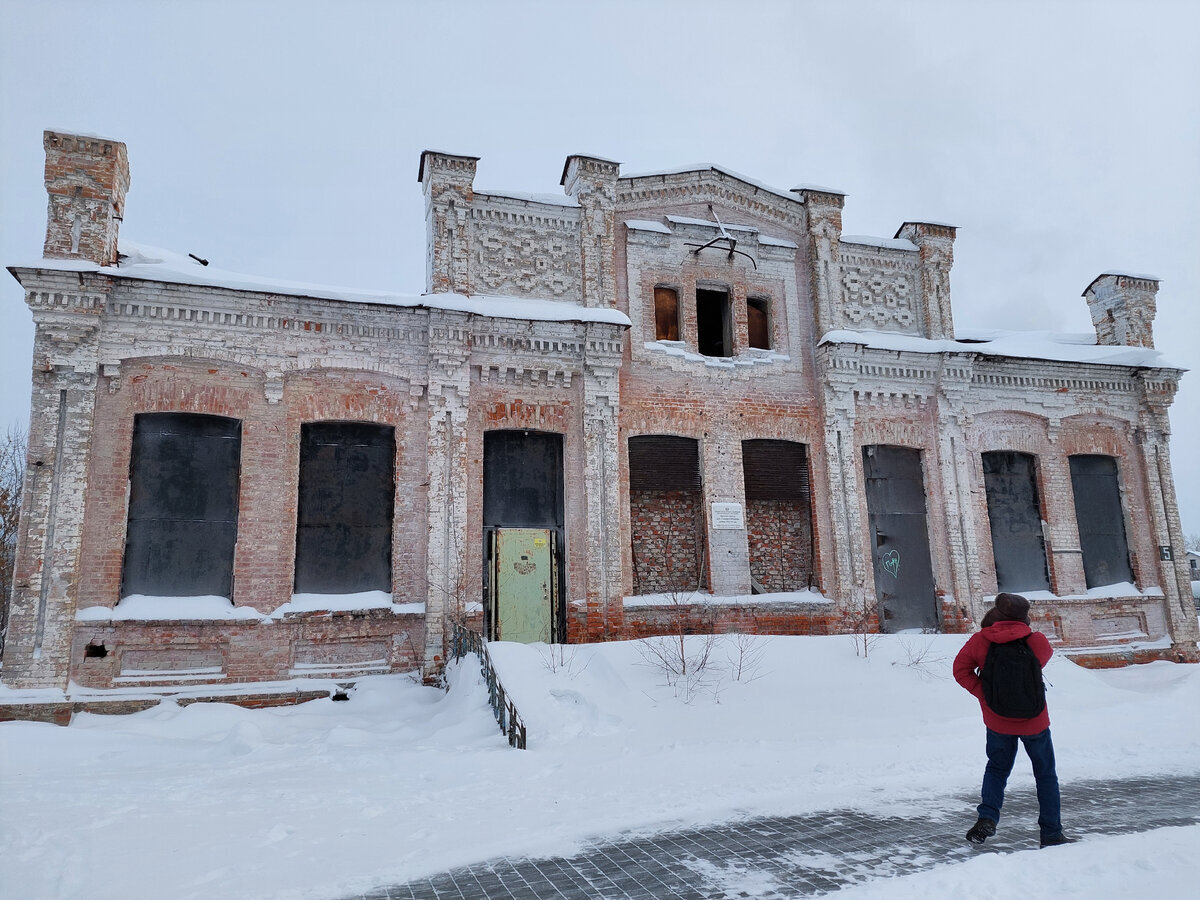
{"x":1013,"y":607}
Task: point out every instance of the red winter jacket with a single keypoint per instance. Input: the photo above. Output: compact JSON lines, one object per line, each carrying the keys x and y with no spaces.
{"x":969,"y":663}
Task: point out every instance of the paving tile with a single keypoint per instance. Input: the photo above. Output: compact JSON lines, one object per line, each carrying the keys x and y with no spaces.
{"x":797,"y":856}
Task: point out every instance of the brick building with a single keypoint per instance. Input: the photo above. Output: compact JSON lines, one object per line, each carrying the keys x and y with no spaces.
{"x":604,"y":402}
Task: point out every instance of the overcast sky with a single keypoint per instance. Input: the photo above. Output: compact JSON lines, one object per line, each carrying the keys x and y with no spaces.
{"x":282,"y":138}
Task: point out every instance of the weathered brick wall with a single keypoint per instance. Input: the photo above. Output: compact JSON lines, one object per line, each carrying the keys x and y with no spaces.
{"x":667,"y":540}
{"x":86,"y":180}
{"x":780,"y":537}
{"x":315,"y":645}
{"x":713,"y":617}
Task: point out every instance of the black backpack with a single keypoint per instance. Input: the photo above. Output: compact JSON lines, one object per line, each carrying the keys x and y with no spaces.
{"x":1012,"y":680}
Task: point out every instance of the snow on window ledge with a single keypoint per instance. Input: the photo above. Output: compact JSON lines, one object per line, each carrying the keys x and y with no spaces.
{"x":1123,"y":590}
{"x":144,"y":608}
{"x":746,"y":359}
{"x":701,"y":598}
{"x":328,"y":604}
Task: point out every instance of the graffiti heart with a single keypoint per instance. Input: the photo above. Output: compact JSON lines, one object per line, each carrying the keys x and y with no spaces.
{"x":891,"y":563}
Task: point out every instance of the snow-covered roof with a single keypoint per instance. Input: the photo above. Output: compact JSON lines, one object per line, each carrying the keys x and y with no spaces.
{"x":886,"y":243}
{"x":767,"y":241}
{"x":1080,"y":348}
{"x":708,"y":223}
{"x":820,"y":189}
{"x":933,"y":222}
{"x":552,"y":199}
{"x":146,"y":263}
{"x":647,"y":225}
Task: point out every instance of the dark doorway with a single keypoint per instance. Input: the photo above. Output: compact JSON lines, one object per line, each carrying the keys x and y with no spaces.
{"x":899,"y":538}
{"x":778,"y":515}
{"x":345,"y":508}
{"x":1010,"y":482}
{"x":183,"y":505}
{"x":666,"y":514}
{"x":1101,"y":520}
{"x":713,"y":335}
{"x":523,"y":531}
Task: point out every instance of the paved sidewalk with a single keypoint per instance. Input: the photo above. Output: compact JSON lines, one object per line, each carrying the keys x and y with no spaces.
{"x":797,"y":856}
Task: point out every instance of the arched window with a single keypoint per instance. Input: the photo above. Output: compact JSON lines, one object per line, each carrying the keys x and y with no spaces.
{"x":345,"y":508}
{"x":183,"y":506}
{"x":666,"y":513}
{"x":1010,"y":482}
{"x":1101,"y":520}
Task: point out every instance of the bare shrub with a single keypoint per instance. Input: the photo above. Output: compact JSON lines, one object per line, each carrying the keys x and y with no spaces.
{"x":744,"y":655}
{"x":920,"y":655}
{"x":562,"y":658}
{"x":685,"y":655}
{"x":860,"y":618}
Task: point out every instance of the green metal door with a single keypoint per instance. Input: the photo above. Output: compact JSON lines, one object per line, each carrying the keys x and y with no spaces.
{"x":523,"y":585}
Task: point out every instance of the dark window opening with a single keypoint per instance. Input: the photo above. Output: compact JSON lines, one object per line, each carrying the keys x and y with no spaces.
{"x":183,"y":505}
{"x":666,"y":514}
{"x":778,"y":515}
{"x":666,"y":314}
{"x":1010,"y":482}
{"x":345,"y":508}
{"x":758,"y":323}
{"x":95,"y":651}
{"x":523,"y":479}
{"x":712,"y":323}
{"x":1101,"y":521}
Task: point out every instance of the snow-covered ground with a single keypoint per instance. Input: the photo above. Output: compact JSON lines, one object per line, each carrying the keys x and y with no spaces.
{"x":326,"y":798}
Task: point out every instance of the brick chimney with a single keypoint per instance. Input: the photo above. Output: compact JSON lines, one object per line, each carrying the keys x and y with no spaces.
{"x":1123,"y":308}
{"x":86,"y":178}
{"x":936,"y":244}
{"x":449,"y":183}
{"x":593,"y":182}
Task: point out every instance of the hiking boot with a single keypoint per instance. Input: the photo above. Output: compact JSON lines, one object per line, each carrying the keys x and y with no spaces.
{"x":982,"y":830}
{"x":1055,"y":839}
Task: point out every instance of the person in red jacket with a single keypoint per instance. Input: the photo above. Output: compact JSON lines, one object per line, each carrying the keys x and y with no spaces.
{"x":1008,"y":621}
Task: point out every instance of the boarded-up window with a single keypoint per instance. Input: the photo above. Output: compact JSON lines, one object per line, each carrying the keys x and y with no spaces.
{"x":666,"y":514}
{"x":522,"y":479}
{"x":1010,"y":481}
{"x":778,"y":515}
{"x":758,"y":323}
{"x":183,"y":505}
{"x":344,"y":513}
{"x":1101,"y":520}
{"x":713,"y":336}
{"x":666,"y":314}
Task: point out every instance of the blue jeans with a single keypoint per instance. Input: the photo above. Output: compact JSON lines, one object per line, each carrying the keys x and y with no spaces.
{"x":1001,"y":754}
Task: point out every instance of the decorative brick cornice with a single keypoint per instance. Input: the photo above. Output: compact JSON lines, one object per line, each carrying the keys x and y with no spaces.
{"x":84,"y":303}
{"x":447,"y":163}
{"x":492,"y":209}
{"x":713,"y":186}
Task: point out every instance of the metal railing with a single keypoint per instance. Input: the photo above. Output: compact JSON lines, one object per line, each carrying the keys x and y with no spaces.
{"x":464,"y":641}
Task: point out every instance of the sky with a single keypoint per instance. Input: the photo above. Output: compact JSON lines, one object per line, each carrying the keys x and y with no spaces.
{"x":282,"y":138}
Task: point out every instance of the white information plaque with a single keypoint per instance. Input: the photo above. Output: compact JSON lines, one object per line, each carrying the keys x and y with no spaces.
{"x":728,"y":516}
